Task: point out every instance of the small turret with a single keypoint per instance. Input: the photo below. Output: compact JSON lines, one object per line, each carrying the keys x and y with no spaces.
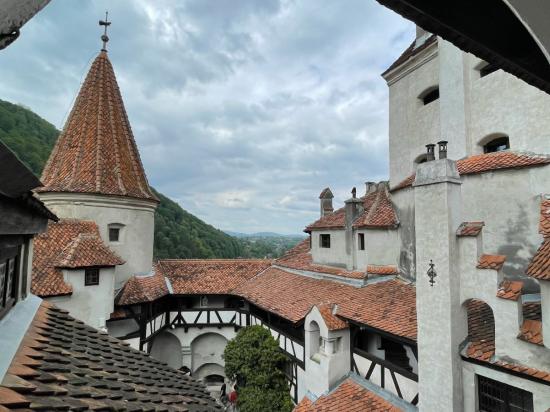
{"x":326,"y":197}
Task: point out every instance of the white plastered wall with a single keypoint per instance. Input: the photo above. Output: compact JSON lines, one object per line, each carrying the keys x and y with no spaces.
{"x":324,"y":370}
{"x":93,"y":304}
{"x":137,"y":216}
{"x":382,"y":247}
{"x":335,"y":255}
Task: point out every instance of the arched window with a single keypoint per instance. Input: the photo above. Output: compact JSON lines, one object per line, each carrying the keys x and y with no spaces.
{"x":315,"y":341}
{"x":497,"y":144}
{"x":429,"y":95}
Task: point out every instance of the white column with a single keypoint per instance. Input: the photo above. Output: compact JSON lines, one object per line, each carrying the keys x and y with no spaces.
{"x":441,"y":322}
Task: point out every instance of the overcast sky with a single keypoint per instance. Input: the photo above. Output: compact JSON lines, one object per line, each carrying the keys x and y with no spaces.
{"x":244,"y":110}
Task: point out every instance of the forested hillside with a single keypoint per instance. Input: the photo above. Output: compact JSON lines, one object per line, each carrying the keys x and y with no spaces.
{"x":178,"y":234}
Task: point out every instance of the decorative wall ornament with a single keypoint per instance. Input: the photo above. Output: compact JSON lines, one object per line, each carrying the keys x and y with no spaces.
{"x":432,"y":273}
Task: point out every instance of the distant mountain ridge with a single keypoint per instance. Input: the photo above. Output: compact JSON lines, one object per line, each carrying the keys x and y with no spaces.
{"x":178,"y":234}
{"x":262,"y":234}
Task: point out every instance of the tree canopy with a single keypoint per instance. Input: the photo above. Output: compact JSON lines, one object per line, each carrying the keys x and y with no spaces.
{"x":254,"y":360}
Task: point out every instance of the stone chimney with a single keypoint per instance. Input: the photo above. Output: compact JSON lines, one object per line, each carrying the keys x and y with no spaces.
{"x":442,"y":149}
{"x":437,"y":209}
{"x":430,"y":152}
{"x":326,"y":197}
{"x":353,"y":208}
{"x":370,"y":187}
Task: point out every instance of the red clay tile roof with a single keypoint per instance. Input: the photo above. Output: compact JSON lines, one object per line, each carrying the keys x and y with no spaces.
{"x":378,"y":213}
{"x":63,"y":364}
{"x":96,"y":152}
{"x":142,"y":289}
{"x":349,"y":396}
{"x":539,"y":267}
{"x":67,"y":243}
{"x":328,"y":314}
{"x":510,"y":289}
{"x":532,"y":310}
{"x":481,"y":337}
{"x":191,"y":276}
{"x":389,"y":305}
{"x":488,"y":162}
{"x":491,"y":262}
{"x":544,"y":225}
{"x":469,"y":228}
{"x":382,"y":270}
{"x":481,"y":330}
{"x":299,"y":258}
{"x":87,"y":250}
{"x":410,"y":52}
{"x":531,"y":331}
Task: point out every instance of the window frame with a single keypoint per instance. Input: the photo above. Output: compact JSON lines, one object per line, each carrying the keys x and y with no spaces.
{"x":508,"y":394}
{"x":114,"y":230}
{"x":9,"y":279}
{"x":91,"y":272}
{"x":324,"y":240}
{"x":119,"y":227}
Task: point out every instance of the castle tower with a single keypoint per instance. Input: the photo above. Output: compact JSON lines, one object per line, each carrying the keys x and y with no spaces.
{"x":95,"y":173}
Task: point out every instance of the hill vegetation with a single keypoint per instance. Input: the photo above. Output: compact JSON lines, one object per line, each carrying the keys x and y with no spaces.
{"x":178,"y":234}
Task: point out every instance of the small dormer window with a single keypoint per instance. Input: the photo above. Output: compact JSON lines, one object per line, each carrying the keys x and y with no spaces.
{"x":324,"y":241}
{"x":91,"y":276}
{"x":496,"y":145}
{"x":429,"y":95}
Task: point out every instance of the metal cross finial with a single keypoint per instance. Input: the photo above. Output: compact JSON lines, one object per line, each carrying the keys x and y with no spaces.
{"x":354,"y":192}
{"x":105,"y":23}
{"x":432,"y":273}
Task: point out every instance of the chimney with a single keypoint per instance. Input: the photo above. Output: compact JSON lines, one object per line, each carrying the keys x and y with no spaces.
{"x":442,"y":149}
{"x":353,"y":208}
{"x":326,"y":197}
{"x":430,"y":152}
{"x":371,"y":187}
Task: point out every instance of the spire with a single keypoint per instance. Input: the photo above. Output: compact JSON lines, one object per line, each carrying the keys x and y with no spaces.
{"x":104,"y":37}
{"x":96,"y":152}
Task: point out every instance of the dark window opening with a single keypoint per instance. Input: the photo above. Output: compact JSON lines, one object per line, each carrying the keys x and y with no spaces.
{"x":494,"y":396}
{"x":324,"y":241}
{"x":91,"y":276}
{"x":430,"y":96}
{"x":8,"y":284}
{"x":488,"y":69}
{"x":361,"y":241}
{"x":395,"y":353}
{"x":497,"y":145}
{"x":114,"y":233}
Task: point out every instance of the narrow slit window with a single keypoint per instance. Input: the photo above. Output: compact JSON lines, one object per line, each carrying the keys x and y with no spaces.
{"x":429,"y":95}
{"x":361,"y":241}
{"x":324,"y":241}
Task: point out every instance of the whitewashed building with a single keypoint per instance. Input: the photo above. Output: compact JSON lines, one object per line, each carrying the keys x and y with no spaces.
{"x":428,"y":291}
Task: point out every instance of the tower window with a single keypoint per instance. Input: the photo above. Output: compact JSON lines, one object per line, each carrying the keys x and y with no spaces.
{"x":114,"y":233}
{"x":497,"y":145}
{"x":429,"y":95}
{"x":487,"y":69}
{"x":361,"y":241}
{"x":324,"y":241}
{"x":91,"y":276}
{"x":494,"y":396}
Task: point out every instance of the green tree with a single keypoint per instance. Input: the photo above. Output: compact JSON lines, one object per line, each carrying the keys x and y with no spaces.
{"x":254,"y":360}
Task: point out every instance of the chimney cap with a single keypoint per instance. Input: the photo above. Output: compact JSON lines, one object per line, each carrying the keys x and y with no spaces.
{"x":326,"y":194}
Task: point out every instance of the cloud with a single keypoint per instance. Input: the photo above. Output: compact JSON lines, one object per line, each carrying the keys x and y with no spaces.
{"x":243,"y":111}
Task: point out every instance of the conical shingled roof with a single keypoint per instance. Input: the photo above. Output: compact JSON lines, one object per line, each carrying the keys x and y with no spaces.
{"x":96,"y":152}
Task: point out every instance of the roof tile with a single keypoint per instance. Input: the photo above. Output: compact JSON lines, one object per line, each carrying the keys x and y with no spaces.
{"x":328,"y":312}
{"x":510,"y":289}
{"x":531,"y":331}
{"x":470,"y":228}
{"x":487,"y":162}
{"x":349,"y":396}
{"x":491,"y":262}
{"x":69,"y":243}
{"x":107,"y":376}
{"x":96,"y":152}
